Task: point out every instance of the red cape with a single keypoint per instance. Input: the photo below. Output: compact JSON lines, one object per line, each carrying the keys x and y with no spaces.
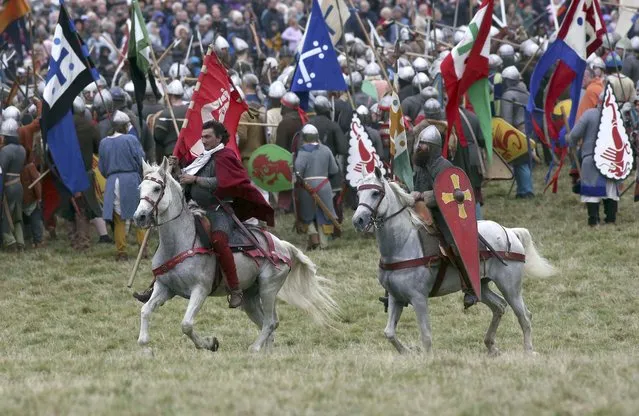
{"x":233,"y":182}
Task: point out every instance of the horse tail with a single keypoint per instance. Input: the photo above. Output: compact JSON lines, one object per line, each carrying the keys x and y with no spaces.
{"x":307,"y":290}
{"x":536,"y":265}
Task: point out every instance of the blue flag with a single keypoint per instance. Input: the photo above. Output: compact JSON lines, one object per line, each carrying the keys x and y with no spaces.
{"x":317,"y":66}
{"x":70,"y":70}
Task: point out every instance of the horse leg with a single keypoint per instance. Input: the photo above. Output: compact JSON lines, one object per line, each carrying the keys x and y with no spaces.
{"x":253,"y":308}
{"x":160,"y":295}
{"x":198,"y":296}
{"x":498,"y":306}
{"x":420,"y":303}
{"x":512,"y":294}
{"x":395,"y":309}
{"x":268,"y":293}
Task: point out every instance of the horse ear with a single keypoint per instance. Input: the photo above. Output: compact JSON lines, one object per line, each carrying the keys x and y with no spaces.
{"x":164,"y":167}
{"x":145,"y":167}
{"x":378,"y":173}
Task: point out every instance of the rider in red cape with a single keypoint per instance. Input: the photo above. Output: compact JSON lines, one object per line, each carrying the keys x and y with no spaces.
{"x":233,"y":182}
{"x":219,"y":184}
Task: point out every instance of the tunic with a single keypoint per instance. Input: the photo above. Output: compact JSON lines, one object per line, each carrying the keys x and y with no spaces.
{"x":316,"y":163}
{"x":121,"y":159}
{"x":164,"y":133}
{"x":594,"y":185}
{"x":12,"y":158}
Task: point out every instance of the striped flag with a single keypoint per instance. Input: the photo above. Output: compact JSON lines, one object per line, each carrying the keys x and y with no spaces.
{"x":398,"y":144}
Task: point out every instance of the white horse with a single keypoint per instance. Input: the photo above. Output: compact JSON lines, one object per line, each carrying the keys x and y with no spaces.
{"x":162,"y":204}
{"x":410,"y":261}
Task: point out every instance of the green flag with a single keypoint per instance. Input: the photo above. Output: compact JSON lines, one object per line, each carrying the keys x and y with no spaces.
{"x":139,"y":44}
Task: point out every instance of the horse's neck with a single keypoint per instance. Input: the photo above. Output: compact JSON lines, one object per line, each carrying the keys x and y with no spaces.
{"x":399,"y":239}
{"x":177,"y":229}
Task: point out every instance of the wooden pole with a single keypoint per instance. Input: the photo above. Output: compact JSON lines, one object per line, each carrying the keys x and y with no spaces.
{"x":348,"y":62}
{"x":368,"y":39}
{"x":145,"y":241}
{"x":166,"y":92}
{"x":166,"y":52}
{"x":39,"y":178}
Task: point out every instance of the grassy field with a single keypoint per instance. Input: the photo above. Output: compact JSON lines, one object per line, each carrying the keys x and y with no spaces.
{"x":69,"y":330}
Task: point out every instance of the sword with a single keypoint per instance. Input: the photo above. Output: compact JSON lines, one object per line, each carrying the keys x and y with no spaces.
{"x":492,"y":250}
{"x":245,"y":231}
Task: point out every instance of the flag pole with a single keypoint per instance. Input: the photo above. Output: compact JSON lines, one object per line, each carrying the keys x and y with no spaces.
{"x":348,"y":62}
{"x":165,"y":89}
{"x":368,"y":39}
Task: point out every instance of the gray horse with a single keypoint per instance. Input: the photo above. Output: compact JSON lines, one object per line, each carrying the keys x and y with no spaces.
{"x":401,"y":236}
{"x":162,"y":204}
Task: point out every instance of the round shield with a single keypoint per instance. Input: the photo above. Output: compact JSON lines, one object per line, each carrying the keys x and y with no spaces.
{"x":270,"y":168}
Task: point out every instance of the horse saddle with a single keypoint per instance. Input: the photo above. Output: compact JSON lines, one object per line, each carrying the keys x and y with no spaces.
{"x":238,"y":242}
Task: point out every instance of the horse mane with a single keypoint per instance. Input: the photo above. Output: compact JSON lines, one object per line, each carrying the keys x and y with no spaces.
{"x":407,"y":199}
{"x":193,"y":207}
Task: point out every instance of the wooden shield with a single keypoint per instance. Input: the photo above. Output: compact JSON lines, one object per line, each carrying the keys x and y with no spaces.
{"x":509,"y":142}
{"x":456,"y":201}
{"x":270,"y":168}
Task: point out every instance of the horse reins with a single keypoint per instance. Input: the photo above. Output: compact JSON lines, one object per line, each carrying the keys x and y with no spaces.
{"x":377,"y":221}
{"x":155,"y":204}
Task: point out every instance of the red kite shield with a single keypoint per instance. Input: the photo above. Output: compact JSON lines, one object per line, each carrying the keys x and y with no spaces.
{"x":456,"y":202}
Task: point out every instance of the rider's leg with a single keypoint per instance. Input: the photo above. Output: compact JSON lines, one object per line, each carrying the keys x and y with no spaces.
{"x":227,"y":262}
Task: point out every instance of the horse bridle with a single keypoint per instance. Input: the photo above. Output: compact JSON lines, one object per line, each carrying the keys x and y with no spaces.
{"x":376,"y":220}
{"x":155,"y":204}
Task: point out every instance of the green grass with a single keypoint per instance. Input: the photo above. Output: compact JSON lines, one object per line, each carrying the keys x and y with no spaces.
{"x":69,"y":330}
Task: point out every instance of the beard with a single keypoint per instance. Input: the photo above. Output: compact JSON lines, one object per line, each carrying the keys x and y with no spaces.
{"x":421,"y":158}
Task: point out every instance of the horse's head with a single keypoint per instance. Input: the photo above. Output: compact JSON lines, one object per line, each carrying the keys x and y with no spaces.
{"x":155,"y":194}
{"x":374,"y":201}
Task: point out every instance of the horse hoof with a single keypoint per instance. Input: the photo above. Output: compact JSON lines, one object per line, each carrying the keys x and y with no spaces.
{"x":147,"y":352}
{"x":494,"y":352}
{"x":213,"y":344}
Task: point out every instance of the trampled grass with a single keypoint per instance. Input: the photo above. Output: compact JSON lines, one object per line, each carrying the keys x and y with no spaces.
{"x":69,"y":330}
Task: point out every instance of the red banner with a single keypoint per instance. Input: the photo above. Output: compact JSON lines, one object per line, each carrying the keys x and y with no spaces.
{"x":215,"y":98}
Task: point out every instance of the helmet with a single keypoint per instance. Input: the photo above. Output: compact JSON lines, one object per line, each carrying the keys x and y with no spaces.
{"x":406,"y":73}
{"x":372,"y":70}
{"x":429,"y":92}
{"x":420,"y":80}
{"x":495,"y":62}
{"x":119,"y":97}
{"x":250,"y":80}
{"x":175,"y":88}
{"x":129,"y":88}
{"x":101,"y":82}
{"x":529,"y":48}
{"x":291,"y":100}
{"x":11,"y":112}
{"x":178,"y":70}
{"x":356,"y":79}
{"x":432,"y":108}
{"x":103,"y":102}
{"x":598,"y":63}
{"x":634,"y":43}
{"x":120,"y":118}
{"x":310,"y":133}
{"x":431,"y":135}
{"x":220,"y":44}
{"x":9,"y":127}
{"x":322,"y":105}
{"x":276,"y":90}
{"x":506,"y":50}
{"x":385,"y":103}
{"x":420,"y":64}
{"x":79,"y":105}
{"x":362,"y":110}
{"x":613,"y":60}
{"x":240,"y":45}
{"x":511,"y":73}
{"x":459,"y":34}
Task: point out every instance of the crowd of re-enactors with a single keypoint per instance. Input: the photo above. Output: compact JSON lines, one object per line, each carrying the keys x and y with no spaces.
{"x":186,"y":29}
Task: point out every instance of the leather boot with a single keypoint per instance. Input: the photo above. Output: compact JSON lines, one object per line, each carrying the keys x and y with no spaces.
{"x":610,"y":210}
{"x":313,"y":241}
{"x":146,"y":295}
{"x":227,"y":263}
{"x":593,"y":213}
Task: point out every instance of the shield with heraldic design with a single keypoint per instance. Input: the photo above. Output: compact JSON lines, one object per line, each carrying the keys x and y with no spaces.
{"x":270,"y":168}
{"x":456,"y":201}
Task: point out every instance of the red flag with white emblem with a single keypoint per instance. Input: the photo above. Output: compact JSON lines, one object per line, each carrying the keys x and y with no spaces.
{"x":215,"y":98}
